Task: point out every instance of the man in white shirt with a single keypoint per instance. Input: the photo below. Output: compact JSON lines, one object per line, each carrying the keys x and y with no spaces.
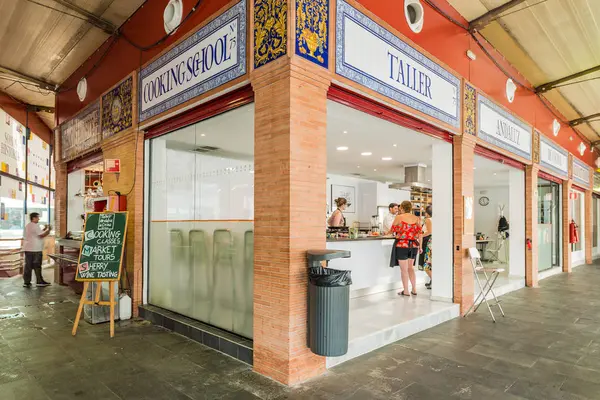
{"x":33,"y":246}
{"x":388,"y":220}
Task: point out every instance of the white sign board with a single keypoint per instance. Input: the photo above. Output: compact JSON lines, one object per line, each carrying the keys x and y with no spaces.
{"x":581,"y":173}
{"x":500,"y":128}
{"x":370,"y":55}
{"x":554,"y":157}
{"x":212,"y":56}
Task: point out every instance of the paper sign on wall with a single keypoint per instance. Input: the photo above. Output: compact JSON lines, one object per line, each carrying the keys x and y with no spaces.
{"x":112,"y":165}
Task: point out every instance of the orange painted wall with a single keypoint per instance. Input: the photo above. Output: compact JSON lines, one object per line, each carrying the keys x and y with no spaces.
{"x":449,"y":43}
{"x":143,"y":28}
{"x":440,"y":37}
{"x":18,"y":112}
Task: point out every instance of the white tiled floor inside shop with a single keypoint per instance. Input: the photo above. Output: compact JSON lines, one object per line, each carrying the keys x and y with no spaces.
{"x":383,"y":318}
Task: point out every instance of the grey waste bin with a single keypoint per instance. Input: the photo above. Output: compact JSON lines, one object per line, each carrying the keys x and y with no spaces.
{"x":328,"y":304}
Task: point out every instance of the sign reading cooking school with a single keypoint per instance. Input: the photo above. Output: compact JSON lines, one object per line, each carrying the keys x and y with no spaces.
{"x":209,"y":58}
{"x":371,"y":56}
{"x":500,"y":128}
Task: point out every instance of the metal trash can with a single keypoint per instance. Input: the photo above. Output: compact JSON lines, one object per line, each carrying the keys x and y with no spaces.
{"x":328,"y":304}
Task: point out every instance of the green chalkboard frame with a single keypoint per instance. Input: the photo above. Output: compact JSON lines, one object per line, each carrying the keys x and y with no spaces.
{"x":77,"y":277}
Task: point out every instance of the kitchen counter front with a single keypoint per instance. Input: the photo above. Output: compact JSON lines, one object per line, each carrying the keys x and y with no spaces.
{"x":369,"y":262}
{"x":360,"y":238}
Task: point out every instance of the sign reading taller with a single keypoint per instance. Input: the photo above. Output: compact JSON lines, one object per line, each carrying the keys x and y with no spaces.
{"x":209,"y":58}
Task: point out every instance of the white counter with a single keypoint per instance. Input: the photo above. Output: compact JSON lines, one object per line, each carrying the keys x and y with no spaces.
{"x":369,"y":263}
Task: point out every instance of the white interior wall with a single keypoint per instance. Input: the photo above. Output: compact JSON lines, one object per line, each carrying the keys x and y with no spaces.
{"x":76,"y":184}
{"x":486,"y":217}
{"x":442,"y":223}
{"x":516,"y":219}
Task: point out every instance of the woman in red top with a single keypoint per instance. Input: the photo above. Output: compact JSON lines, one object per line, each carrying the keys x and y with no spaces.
{"x":407,"y":228}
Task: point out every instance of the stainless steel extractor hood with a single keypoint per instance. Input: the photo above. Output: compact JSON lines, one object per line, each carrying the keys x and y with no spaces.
{"x":414,"y":178}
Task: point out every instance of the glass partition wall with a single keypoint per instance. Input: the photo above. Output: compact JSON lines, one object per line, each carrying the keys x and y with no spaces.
{"x":549,"y":221}
{"x":201,"y":238}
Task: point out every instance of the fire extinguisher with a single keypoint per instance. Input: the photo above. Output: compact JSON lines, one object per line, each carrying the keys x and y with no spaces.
{"x":573,"y":235}
{"x":528,"y":242}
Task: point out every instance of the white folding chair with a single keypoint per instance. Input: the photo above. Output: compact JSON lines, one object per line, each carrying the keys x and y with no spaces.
{"x":494,"y":254}
{"x":490,"y":274}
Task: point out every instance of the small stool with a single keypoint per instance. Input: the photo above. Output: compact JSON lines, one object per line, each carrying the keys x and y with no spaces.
{"x":490,"y":274}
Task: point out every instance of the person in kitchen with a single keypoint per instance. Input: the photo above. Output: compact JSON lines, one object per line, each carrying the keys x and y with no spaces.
{"x":337,"y":218}
{"x":408,"y":230}
{"x":388,"y":220}
{"x":425,"y":256}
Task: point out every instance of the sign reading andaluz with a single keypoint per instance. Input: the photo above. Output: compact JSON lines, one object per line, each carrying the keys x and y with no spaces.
{"x":581,"y":173}
{"x":212,"y":56}
{"x":500,"y":128}
{"x":554,"y":157}
{"x":370,"y":55}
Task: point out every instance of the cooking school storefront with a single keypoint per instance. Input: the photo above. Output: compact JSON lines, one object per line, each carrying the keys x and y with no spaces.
{"x":195,"y":106}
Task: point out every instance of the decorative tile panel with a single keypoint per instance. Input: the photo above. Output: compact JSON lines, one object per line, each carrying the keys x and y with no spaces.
{"x":117,"y":109}
{"x":553,"y":157}
{"x":312,"y":31}
{"x":270,"y":31}
{"x":536,"y":147}
{"x":470,"y":107}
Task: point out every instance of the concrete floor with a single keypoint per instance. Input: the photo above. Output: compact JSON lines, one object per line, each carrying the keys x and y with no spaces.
{"x":548,"y":347}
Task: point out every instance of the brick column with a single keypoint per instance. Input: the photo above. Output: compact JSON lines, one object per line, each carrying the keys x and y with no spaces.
{"x":129,"y":148}
{"x":60,"y":206}
{"x":566,"y":216}
{"x":531,"y":224}
{"x":464,"y":235}
{"x":589,"y":228}
{"x":290,"y":164}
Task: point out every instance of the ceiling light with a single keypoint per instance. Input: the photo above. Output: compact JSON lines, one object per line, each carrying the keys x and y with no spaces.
{"x":555,"y":127}
{"x":395,"y":145}
{"x":172,"y":16}
{"x":375,"y":170}
{"x":342,"y":148}
{"x":202,"y":134}
{"x":581,"y":148}
{"x":358,"y":166}
{"x":345,"y":131}
{"x":571,"y":138}
{"x":471,"y":55}
{"x":366,"y":153}
{"x":494,"y":173}
{"x":82,"y":88}
{"x":414,"y":14}
{"x":386,"y":158}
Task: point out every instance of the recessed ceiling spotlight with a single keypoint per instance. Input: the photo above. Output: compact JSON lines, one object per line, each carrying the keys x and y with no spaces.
{"x":342,"y":148}
{"x":494,"y":173}
{"x":395,"y":145}
{"x":345,"y":131}
{"x":474,"y":167}
{"x":366,"y":153}
{"x":358,"y":166}
{"x":203,"y":134}
{"x":386,"y":158}
{"x":375,"y":170}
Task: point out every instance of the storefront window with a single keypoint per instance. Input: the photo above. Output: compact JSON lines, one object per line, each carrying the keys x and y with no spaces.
{"x":38,"y":201}
{"x":548,"y":224}
{"x":595,"y":222}
{"x":12,"y":197}
{"x":577,"y":199}
{"x":202,"y":210}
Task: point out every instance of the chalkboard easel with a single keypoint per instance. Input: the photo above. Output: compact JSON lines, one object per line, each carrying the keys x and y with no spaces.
{"x":100,"y":259}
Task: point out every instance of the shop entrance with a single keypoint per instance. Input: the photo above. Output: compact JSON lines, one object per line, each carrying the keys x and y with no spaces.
{"x":577,"y":207}
{"x":500,"y":220}
{"x":372,"y":163}
{"x":84,"y":185}
{"x":549,"y":225}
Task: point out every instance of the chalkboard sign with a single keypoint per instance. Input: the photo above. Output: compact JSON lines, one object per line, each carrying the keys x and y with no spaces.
{"x":102,"y":247}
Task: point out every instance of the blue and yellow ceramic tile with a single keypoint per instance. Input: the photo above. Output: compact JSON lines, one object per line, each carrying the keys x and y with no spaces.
{"x":470,"y":100}
{"x":312,"y":31}
{"x":270,"y":31}
{"x":117,"y":109}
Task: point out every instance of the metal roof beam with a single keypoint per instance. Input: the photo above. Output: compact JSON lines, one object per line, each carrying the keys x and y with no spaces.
{"x":550,"y":85}
{"x":581,"y":120}
{"x":90,"y":17}
{"x":480,"y":22}
{"x":27,"y":78}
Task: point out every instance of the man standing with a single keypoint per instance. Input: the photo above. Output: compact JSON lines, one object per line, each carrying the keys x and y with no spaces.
{"x":388,"y":220}
{"x":33,"y":245}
